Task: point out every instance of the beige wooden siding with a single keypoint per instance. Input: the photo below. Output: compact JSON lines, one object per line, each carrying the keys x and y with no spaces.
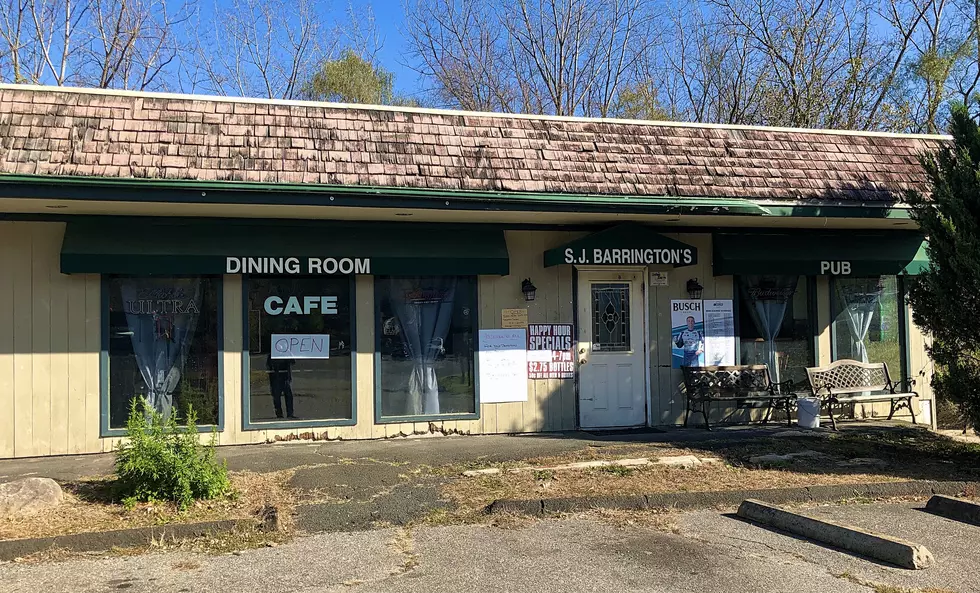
{"x":49,"y":347}
{"x":50,"y":341}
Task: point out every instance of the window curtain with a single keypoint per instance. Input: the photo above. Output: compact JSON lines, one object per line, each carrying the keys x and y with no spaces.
{"x":861,"y":298}
{"x":767,"y":298}
{"x":162,"y":315}
{"x":424,"y":308}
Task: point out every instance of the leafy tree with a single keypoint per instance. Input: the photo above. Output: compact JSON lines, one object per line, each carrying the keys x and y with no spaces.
{"x":351,"y":79}
{"x":946,"y":297}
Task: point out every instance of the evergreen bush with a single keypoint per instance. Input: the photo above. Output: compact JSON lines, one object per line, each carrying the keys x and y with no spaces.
{"x":161,"y":461}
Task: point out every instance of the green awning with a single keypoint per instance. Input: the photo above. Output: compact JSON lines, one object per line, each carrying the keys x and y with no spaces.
{"x":625,"y":244}
{"x":138,"y":246}
{"x":843,"y":253}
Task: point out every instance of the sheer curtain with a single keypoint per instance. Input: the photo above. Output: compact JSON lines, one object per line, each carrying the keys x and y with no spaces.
{"x":767,"y":298}
{"x":860,"y":298}
{"x":162,"y":315}
{"x":425,"y":312}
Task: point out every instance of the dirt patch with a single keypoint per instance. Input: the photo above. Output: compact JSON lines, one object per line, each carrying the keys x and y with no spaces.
{"x":89,"y":506}
{"x":836,"y":459}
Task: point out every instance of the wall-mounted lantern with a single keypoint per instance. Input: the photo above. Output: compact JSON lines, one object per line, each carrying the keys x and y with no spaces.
{"x":528,"y":289}
{"x":694,"y":289}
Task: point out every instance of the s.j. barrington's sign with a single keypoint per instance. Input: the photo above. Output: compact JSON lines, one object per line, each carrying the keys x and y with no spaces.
{"x":677,"y":256}
{"x":297,"y":265}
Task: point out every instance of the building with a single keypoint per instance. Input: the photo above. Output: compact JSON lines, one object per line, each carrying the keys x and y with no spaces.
{"x":303,"y":270}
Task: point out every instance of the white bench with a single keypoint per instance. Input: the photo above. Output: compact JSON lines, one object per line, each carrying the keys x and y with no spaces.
{"x":855,"y":382}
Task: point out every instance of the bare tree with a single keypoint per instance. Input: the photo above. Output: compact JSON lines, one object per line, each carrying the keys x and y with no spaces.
{"x":133,"y":42}
{"x":542,"y":56}
{"x":263,"y":48}
{"x":461,"y":50}
{"x":99,"y":43}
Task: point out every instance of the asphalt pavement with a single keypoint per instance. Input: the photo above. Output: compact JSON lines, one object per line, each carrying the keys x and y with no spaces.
{"x":703,"y":552}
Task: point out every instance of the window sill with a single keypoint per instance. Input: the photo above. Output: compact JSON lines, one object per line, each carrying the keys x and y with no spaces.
{"x":429,"y":418}
{"x":290,"y":424}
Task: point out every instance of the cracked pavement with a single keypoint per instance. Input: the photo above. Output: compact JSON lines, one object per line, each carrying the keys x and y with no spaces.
{"x":706,"y":552}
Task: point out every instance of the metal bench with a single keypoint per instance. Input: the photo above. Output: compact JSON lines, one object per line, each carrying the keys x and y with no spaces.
{"x":740,"y":383}
{"x":854,"y":382}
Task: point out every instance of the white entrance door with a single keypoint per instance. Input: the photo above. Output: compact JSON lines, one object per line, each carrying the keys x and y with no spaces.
{"x":612,"y":386}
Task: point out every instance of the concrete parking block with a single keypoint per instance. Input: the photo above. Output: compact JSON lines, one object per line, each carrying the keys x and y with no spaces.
{"x":958,"y":509}
{"x":895,"y":551}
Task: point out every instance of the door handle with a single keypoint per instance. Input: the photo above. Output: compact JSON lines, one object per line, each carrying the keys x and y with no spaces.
{"x":583,"y":361}
{"x":581,"y":351}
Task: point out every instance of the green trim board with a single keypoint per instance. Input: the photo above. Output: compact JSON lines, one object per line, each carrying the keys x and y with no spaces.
{"x":247,"y":423}
{"x":845,"y":253}
{"x":625,"y":244}
{"x":240,"y":246}
{"x":231,"y":192}
{"x":189,"y":191}
{"x":105,"y":431}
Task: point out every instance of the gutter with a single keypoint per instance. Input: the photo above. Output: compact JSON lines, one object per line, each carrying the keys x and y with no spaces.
{"x":187,"y":191}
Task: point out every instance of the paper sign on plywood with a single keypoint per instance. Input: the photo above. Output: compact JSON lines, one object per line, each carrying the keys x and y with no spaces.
{"x":719,"y":332}
{"x":513,"y":318}
{"x":503,"y":365}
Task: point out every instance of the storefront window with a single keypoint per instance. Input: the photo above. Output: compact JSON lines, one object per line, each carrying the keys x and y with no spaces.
{"x":775,"y":326}
{"x":426,"y":334}
{"x":304,"y":374}
{"x":163,"y":345}
{"x":866,"y":321}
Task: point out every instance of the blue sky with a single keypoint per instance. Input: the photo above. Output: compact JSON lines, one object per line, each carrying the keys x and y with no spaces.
{"x":390,"y":16}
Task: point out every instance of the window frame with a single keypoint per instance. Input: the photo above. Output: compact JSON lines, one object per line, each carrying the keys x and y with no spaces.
{"x":811,"y":311}
{"x":247,"y":423}
{"x":378,"y":331}
{"x":106,"y":431}
{"x":903,"y":336}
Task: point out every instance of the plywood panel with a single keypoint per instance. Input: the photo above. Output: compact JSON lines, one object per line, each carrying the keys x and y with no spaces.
{"x":8,"y":247}
{"x":364,"y":294}
{"x":20,"y":265}
{"x":231,"y":356}
{"x":91,"y":357}
{"x":41,"y":261}
{"x":489,"y":318}
{"x":77,"y":375}
{"x":823,"y":322}
{"x":60,"y":285}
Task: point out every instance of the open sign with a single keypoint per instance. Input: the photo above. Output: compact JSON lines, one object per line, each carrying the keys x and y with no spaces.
{"x":292,"y":346}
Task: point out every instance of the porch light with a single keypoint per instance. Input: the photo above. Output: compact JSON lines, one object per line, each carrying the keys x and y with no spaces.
{"x":694,"y":289}
{"x":528,"y":289}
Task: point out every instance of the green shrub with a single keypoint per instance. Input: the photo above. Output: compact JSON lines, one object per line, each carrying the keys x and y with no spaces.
{"x":162,"y":461}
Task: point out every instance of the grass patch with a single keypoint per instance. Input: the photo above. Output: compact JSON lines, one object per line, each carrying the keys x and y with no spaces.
{"x":92,"y":505}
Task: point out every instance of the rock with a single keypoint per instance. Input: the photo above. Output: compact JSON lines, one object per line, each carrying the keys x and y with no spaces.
{"x":684,"y":461}
{"x":787,"y":458}
{"x":270,"y":519}
{"x":28,"y":496}
{"x":490,"y":471}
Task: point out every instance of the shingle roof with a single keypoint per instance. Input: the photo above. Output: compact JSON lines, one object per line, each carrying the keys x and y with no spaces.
{"x":49,"y":131}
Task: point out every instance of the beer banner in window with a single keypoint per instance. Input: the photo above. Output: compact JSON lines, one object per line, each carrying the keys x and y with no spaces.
{"x":686,"y":333}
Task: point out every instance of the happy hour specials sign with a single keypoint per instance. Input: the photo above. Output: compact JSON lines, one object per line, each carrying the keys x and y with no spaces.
{"x":550,"y":353}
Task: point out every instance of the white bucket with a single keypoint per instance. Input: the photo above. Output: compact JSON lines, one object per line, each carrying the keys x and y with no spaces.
{"x":808,"y":412}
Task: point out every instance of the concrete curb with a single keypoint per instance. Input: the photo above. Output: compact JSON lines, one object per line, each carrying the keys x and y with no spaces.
{"x":899,"y":552}
{"x":731,"y":498}
{"x":965,"y":511}
{"x":101,"y":541}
